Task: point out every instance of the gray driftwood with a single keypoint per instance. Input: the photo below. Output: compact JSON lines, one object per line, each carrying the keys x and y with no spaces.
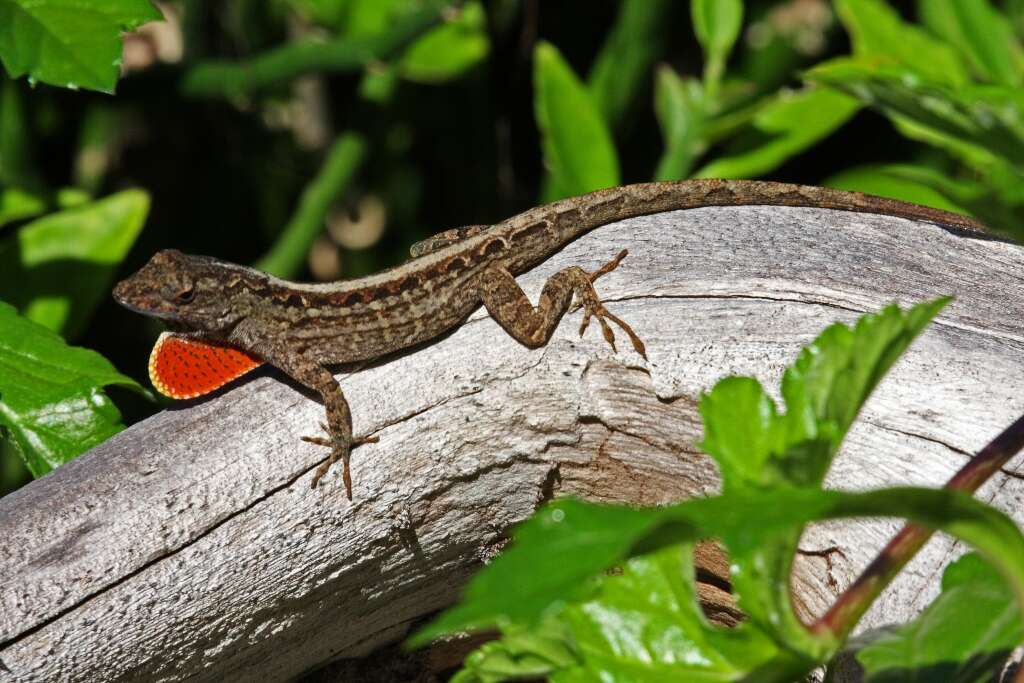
{"x":191,"y":546}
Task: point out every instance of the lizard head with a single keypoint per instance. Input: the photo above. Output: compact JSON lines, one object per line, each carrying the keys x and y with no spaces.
{"x":185,"y":291}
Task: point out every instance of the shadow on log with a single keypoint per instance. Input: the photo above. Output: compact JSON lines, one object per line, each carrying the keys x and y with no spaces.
{"x":190,"y":546}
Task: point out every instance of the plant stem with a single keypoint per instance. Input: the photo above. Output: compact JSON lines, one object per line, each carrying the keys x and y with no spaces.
{"x":295,"y":59}
{"x":285,"y":257}
{"x":855,"y":601}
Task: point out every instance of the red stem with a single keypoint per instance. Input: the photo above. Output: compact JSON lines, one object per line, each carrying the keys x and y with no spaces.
{"x":854,"y":602}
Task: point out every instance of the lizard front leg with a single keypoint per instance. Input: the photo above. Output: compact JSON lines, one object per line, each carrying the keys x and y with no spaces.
{"x":533,"y":326}
{"x":311,"y":374}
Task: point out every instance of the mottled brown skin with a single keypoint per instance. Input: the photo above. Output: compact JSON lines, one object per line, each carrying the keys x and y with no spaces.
{"x":303,"y":329}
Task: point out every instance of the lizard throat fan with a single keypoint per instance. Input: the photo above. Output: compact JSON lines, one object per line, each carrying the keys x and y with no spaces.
{"x":182,"y":367}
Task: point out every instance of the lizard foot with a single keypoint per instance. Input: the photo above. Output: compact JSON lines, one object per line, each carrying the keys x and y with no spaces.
{"x":587,"y":298}
{"x":341,"y":449}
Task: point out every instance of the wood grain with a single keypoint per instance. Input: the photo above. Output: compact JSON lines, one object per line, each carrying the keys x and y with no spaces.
{"x":190,"y":546}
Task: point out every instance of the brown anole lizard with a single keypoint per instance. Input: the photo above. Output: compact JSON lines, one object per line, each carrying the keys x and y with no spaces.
{"x":303,"y":329}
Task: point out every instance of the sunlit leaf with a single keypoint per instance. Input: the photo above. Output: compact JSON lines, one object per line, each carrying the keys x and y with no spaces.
{"x":909,"y":183}
{"x":682,"y":110}
{"x":876,"y":30}
{"x":52,"y":403}
{"x":578,"y":149}
{"x":717,"y":24}
{"x":16,"y":205}
{"x":986,"y":117}
{"x":786,"y":126}
{"x":57,"y":268}
{"x":983,"y":36}
{"x":448,"y":50}
{"x":68,"y":43}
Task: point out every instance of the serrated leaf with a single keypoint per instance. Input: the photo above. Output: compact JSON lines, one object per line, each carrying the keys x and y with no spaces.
{"x":578,"y":149}
{"x":782,"y":128}
{"x":449,"y":50}
{"x":877,"y":31}
{"x":69,"y":43}
{"x":982,"y":35}
{"x":742,"y":430}
{"x":57,"y":268}
{"x":964,"y":636}
{"x":51,"y":395}
{"x":635,"y":41}
{"x":682,"y":110}
{"x":823,"y":390}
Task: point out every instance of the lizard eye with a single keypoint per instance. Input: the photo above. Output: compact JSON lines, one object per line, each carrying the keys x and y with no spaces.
{"x":185,"y":296}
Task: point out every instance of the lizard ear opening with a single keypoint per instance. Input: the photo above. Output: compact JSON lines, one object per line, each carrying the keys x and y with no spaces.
{"x":182,"y":367}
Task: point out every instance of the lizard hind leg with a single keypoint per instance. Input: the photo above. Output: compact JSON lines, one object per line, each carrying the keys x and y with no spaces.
{"x":533,"y":326}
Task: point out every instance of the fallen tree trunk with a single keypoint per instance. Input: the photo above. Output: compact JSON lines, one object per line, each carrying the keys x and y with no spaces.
{"x":190,"y":546}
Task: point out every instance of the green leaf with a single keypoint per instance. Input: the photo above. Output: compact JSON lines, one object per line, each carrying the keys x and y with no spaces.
{"x":742,"y":430}
{"x":556,"y":554}
{"x":833,"y":376}
{"x":876,"y":30}
{"x":964,"y":636}
{"x":998,"y":209}
{"x":622,"y":65}
{"x":646,"y":623}
{"x":329,"y":13}
{"x":68,"y":43}
{"x":578,"y":149}
{"x":57,"y":268}
{"x":340,"y":54}
{"x":682,"y":112}
{"x":16,"y":205}
{"x":51,"y":399}
{"x":910,"y":183}
{"x":717,"y":24}
{"x":784,"y":127}
{"x":977,"y":121}
{"x":981,"y":34}
{"x":449,"y":50}
{"x":364,"y":17}
{"x":520,"y":653}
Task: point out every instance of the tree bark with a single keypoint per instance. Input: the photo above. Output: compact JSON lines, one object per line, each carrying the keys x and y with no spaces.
{"x":190,"y":546}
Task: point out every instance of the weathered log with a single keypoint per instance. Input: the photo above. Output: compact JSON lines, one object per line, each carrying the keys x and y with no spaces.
{"x":190,"y":546}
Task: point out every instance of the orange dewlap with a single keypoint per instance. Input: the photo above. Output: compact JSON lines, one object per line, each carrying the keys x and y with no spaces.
{"x":182,"y":367}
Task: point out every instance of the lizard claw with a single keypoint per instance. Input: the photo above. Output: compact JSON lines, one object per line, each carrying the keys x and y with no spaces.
{"x":594,"y":308}
{"x":341,"y":449}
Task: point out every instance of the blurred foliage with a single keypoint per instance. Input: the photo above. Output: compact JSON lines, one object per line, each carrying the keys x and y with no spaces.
{"x":319,"y":138}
